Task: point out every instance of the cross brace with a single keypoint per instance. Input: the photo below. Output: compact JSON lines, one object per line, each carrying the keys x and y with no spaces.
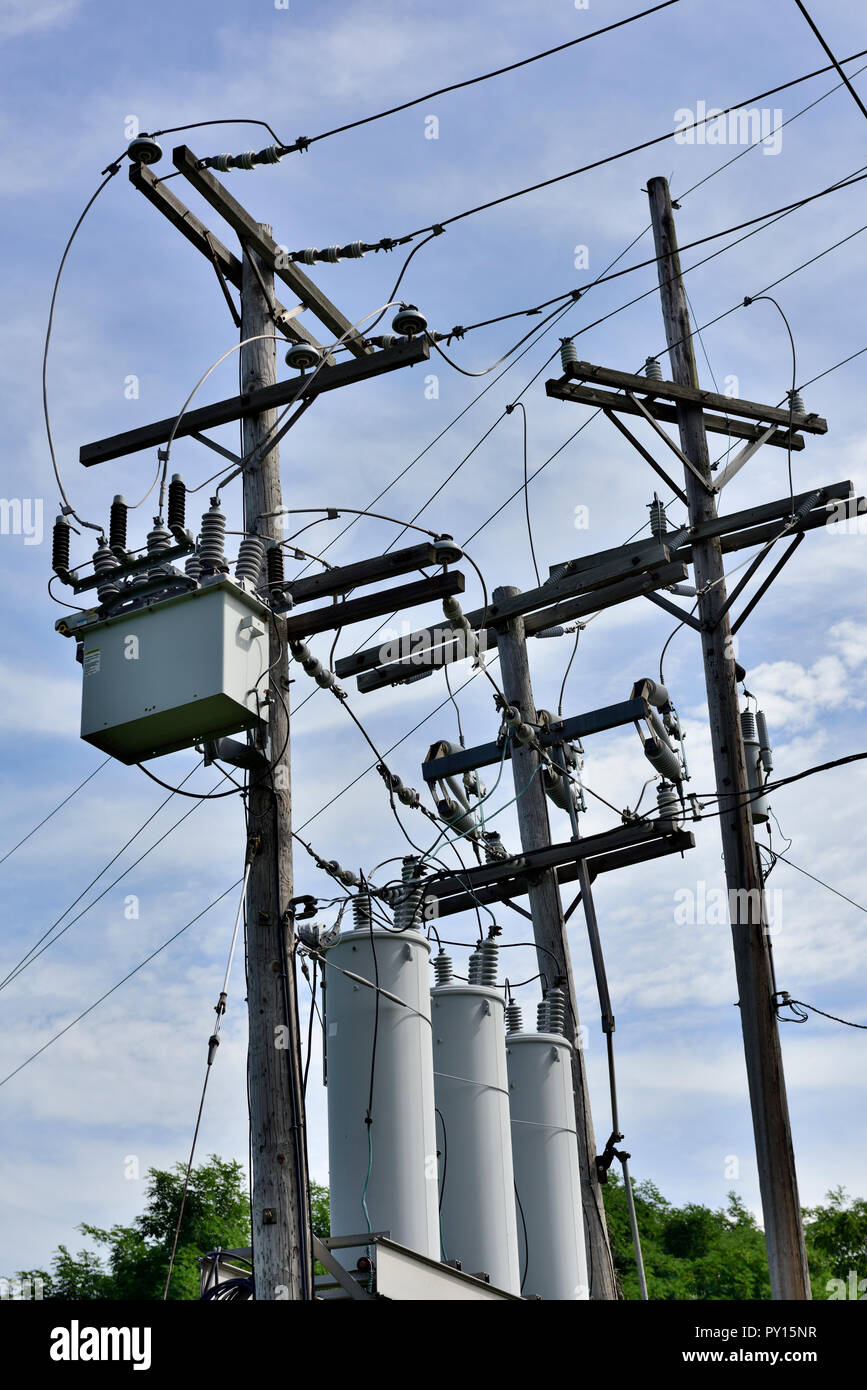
{"x":508,"y":878}
{"x":579,"y":725}
{"x":198,"y":235}
{"x":673,"y":391}
{"x":564,"y":390}
{"x":404,"y":353}
{"x":253,"y":234}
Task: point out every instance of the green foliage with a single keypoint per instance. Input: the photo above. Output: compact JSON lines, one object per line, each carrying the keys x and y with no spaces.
{"x":836,"y":1241}
{"x":689,"y":1252}
{"x":136,"y":1258}
{"x":320,"y":1210}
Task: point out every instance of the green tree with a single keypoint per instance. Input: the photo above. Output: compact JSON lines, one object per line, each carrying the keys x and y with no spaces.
{"x":134,"y":1260}
{"x":836,"y":1236}
{"x":689,"y":1252}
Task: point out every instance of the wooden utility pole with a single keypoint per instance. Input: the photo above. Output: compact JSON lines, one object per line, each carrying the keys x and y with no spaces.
{"x":776,"y":1162}
{"x":549,"y":931}
{"x":283,"y":1265}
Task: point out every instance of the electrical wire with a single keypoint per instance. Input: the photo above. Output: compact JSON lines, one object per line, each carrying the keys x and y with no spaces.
{"x":456,"y":419}
{"x":117,"y":986}
{"x":58,"y":807}
{"x":34,"y":954}
{"x":620,"y":154}
{"x":754,"y":300}
{"x":776,"y":855}
{"x":212,"y":1050}
{"x":523,"y":409}
{"x":568,"y":669}
{"x":574,"y":295}
{"x":69,"y":509}
{"x":855,"y":97}
{"x":483,"y":77}
{"x":196,"y":796}
{"x":6,"y":979}
{"x":793,"y":1003}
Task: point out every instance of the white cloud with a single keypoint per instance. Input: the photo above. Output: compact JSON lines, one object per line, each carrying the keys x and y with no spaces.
{"x":19,"y":17}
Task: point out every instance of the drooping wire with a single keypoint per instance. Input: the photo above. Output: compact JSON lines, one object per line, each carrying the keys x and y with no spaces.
{"x":70,"y":510}
{"x":29,"y":956}
{"x":117,"y":986}
{"x":57,"y":808}
{"x":212,"y":1050}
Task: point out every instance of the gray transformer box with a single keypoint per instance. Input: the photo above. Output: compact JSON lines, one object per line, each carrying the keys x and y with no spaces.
{"x":175,"y":672}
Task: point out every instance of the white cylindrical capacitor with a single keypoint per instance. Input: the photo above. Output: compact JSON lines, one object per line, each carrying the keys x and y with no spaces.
{"x":477,"y":1186}
{"x":395,"y":1175}
{"x":545,"y":1154}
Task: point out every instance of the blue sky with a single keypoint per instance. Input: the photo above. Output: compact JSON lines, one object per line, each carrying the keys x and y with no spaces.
{"x":137,"y":300}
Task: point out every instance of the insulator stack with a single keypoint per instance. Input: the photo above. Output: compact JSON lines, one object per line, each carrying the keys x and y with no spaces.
{"x":556,"y":1002}
{"x":407,"y":796}
{"x":177,"y":506}
{"x":103,"y":564}
{"x":159,"y":540}
{"x":473,"y":967}
{"x":542,"y":1017}
{"x":668,"y":806}
{"x":117,"y":526}
{"x":748,"y":725}
{"x":312,"y":665}
{"x":551,"y":632}
{"x":652,"y":369}
{"x":408,"y":911}
{"x":336,"y":870}
{"x":442,"y":964}
{"x":568,"y":353}
{"x":807,"y":505}
{"x":494,"y":847}
{"x":362,"y":915}
{"x":274,"y":562}
{"x":514,"y":1018}
{"x":489,"y":954}
{"x":193,"y":567}
{"x":212,"y":541}
{"x":251,"y":553}
{"x":796,"y":403}
{"x":658,"y":520}
{"x":60,"y":547}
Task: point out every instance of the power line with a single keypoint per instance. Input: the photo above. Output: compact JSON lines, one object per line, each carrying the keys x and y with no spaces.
{"x":455,"y":420}
{"x":851,"y":90}
{"x":303,"y":142}
{"x":575,"y":294}
{"x":585,"y":168}
{"x":117,"y":986}
{"x":88,"y":886}
{"x":792,"y":865}
{"x":57,"y":808}
{"x":33,"y":954}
